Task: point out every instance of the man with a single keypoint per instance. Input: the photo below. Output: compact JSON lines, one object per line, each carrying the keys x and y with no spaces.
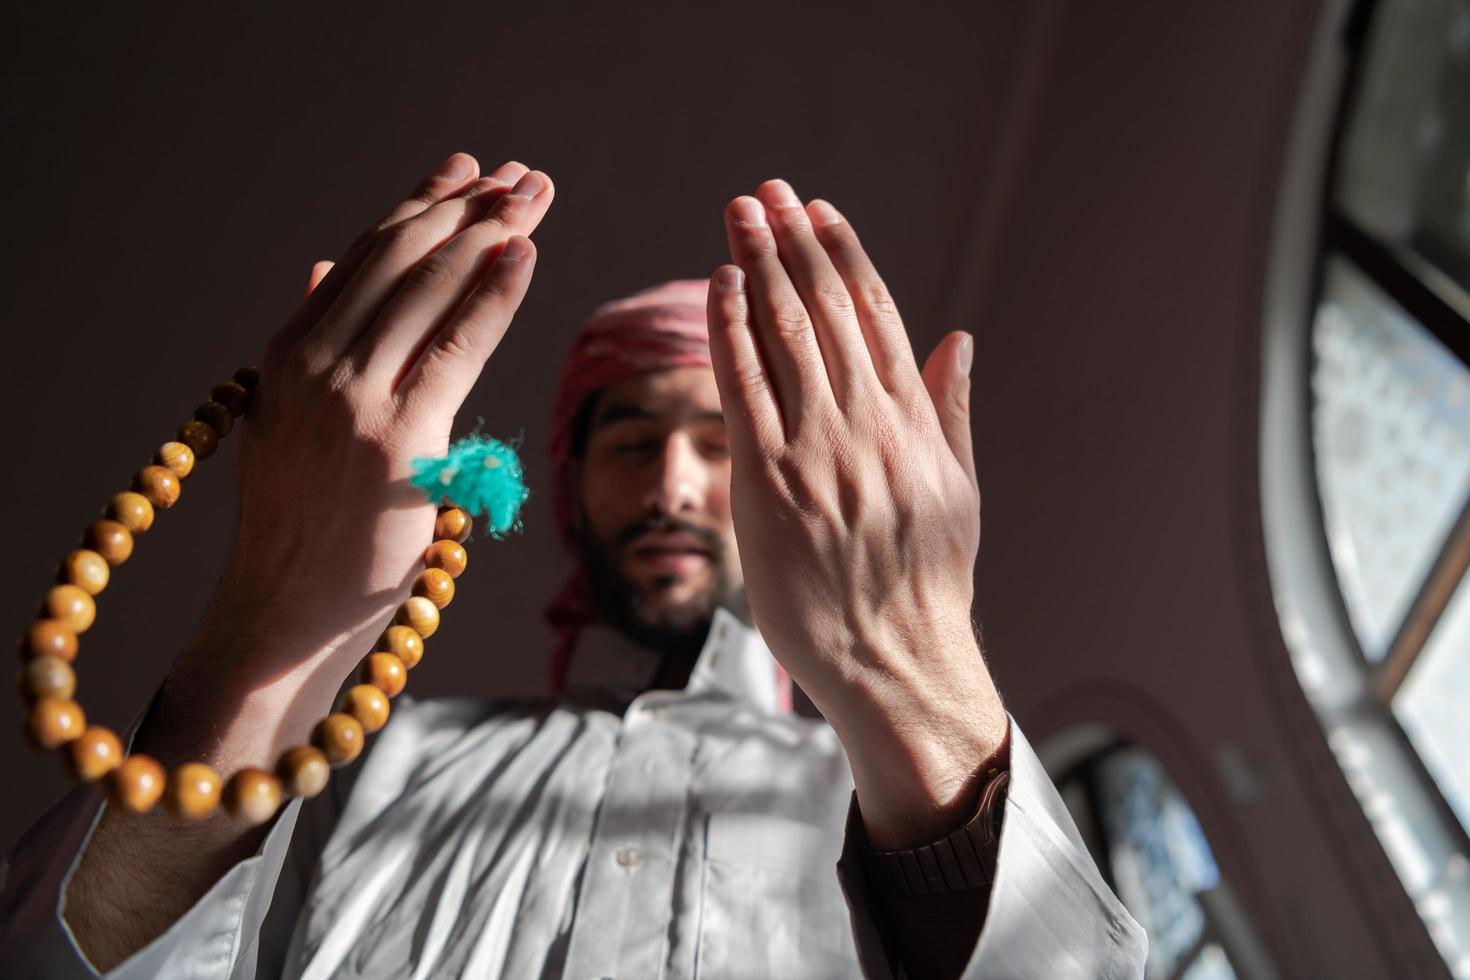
{"x":758,"y":452}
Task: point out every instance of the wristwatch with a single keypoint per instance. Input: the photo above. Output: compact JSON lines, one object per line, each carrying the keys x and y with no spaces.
{"x":959,"y":862}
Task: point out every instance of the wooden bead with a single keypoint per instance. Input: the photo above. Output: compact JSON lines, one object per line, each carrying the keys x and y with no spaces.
{"x":46,"y":677}
{"x":55,"y":721}
{"x":231,"y":395}
{"x":454,"y":524}
{"x":85,"y":569}
{"x":404,"y":643}
{"x":74,"y":609}
{"x":217,"y":417}
{"x":248,"y":377}
{"x":303,"y":770}
{"x":159,"y":484}
{"x":192,"y":791}
{"x":177,"y":457}
{"x":136,"y":784}
{"x":51,"y":638}
{"x":448,"y":555}
{"x":436,"y":585}
{"x":385,"y":672}
{"x":200,"y":437}
{"x":367,"y":703}
{"x":419,"y":613}
{"x":93,"y":754}
{"x":340,"y":738}
{"x":111,"y":540}
{"x":252,"y":795}
{"x":132,"y":510}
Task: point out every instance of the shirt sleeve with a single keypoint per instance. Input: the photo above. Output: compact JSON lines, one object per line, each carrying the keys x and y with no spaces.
{"x":218,"y":937}
{"x":1050,"y":912}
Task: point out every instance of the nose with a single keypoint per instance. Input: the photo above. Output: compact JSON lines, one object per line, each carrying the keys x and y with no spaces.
{"x":679,"y":478}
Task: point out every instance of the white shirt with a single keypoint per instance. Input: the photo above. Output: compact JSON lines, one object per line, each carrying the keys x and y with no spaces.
{"x":618,"y":832}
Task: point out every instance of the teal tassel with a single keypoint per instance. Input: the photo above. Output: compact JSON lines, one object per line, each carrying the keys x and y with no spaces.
{"x":481,"y":475}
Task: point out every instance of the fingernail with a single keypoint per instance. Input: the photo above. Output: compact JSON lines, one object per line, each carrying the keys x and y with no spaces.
{"x":457,"y":167}
{"x":529,"y":185}
{"x":730,"y":278}
{"x":823,"y":213}
{"x":749,"y":211}
{"x":516,"y":249}
{"x":967,"y":355}
{"x":782,"y":192}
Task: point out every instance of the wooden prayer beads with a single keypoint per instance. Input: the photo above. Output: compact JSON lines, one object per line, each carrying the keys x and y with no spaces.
{"x":448,"y":555}
{"x":87,"y":570}
{"x":93,"y":754}
{"x":72,"y":607}
{"x":111,"y":539}
{"x":56,"y":721}
{"x":385,"y":671}
{"x":252,"y":795}
{"x":339,"y":737}
{"x":303,"y":771}
{"x":200,"y":437}
{"x":158,"y":485}
{"x":132,"y":510}
{"x":452,"y":523}
{"x":191,"y":791}
{"x":51,"y":638}
{"x":137,"y":783}
{"x":434,"y":584}
{"x":177,"y":457}
{"x":417,"y":612}
{"x":404,"y":643}
{"x":368,"y":704}
{"x":46,"y":677}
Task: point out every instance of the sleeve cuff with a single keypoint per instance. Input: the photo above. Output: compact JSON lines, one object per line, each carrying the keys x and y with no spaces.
{"x":1050,"y":912}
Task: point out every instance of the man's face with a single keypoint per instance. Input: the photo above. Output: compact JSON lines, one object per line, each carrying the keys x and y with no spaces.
{"x":657,"y":537}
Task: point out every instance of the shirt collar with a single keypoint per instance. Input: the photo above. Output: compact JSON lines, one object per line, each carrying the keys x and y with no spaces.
{"x":734,"y":662}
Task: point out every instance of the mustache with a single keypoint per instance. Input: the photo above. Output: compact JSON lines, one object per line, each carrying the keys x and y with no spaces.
{"x":668,"y":524}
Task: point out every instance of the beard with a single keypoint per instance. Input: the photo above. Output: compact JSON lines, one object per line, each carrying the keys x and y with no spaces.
{"x":641,"y":612}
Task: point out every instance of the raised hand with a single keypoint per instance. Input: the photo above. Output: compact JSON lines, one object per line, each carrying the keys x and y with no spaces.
{"x":366,"y":375}
{"x":856,"y":508}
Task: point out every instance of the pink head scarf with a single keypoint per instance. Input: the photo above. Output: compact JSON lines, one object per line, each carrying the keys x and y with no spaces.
{"x":653,"y":330}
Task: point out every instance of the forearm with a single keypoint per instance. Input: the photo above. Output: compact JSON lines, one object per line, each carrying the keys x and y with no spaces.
{"x":139,"y":873}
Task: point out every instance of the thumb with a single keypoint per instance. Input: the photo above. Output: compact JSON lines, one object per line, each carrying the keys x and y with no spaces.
{"x":947,"y":378}
{"x":319,"y":272}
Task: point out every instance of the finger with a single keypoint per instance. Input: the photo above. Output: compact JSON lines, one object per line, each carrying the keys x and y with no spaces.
{"x":888,"y":342}
{"x":395,"y":253}
{"x":752,"y":418}
{"x":452,"y":176}
{"x":439,"y":283}
{"x":947,"y":379}
{"x":319,"y":272}
{"x":823,"y":293}
{"x":450,"y":364}
{"x":783,"y":330}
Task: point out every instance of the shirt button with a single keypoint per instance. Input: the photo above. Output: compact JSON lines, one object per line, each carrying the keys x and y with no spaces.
{"x":627,"y":856}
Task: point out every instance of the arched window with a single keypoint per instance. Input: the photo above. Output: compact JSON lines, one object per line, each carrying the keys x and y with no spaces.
{"x":1365,"y":445}
{"x":1147,"y":843}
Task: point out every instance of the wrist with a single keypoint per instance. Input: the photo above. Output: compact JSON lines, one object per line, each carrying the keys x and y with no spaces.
{"x":228,"y":704}
{"x":919,"y":751}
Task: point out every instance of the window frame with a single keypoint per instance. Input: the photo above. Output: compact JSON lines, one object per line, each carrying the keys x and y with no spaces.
{"x":1348,"y":694}
{"x":1441,"y":308}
